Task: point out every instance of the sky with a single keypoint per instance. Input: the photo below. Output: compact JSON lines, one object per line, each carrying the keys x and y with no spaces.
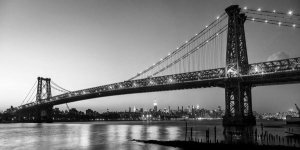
{"x":82,"y":44}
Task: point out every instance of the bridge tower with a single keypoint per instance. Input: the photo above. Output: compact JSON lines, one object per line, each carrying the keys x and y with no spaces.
{"x":44,"y":112}
{"x":238,"y":100}
{"x":43,"y":89}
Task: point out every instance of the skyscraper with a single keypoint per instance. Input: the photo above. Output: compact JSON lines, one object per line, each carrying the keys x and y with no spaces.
{"x":155,"y":106}
{"x":134,"y":109}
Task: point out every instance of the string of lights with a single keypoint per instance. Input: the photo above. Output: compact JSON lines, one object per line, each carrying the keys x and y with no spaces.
{"x":273,"y":16}
{"x":289,"y":19}
{"x":289,"y":13}
{"x":274,"y":22}
{"x":207,"y":28}
{"x":224,"y":28}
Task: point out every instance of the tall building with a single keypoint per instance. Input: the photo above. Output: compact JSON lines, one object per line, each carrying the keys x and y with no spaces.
{"x":134,"y":109}
{"x":155,"y":106}
{"x":129,"y":109}
{"x":189,"y":109}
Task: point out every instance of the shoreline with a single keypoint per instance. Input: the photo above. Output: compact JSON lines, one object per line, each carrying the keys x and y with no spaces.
{"x":196,"y":145}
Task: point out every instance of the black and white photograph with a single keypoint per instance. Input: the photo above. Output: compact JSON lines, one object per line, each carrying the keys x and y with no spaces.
{"x":149,"y":74}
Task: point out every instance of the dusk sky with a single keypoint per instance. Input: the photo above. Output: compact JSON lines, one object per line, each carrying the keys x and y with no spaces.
{"x":88,"y":43}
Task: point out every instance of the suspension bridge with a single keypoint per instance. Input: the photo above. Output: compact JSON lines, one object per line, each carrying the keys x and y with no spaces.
{"x":214,"y":57}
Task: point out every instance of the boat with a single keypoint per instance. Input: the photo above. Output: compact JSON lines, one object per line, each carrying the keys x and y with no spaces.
{"x":293,"y":120}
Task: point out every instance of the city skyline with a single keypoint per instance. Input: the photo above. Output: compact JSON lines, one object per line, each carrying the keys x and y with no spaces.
{"x":79,"y":49}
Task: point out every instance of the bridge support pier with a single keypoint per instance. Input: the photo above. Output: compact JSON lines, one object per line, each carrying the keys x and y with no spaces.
{"x":238,"y":105}
{"x":44,"y":114}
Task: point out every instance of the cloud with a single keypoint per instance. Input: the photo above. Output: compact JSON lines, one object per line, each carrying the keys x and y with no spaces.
{"x":278,"y":56}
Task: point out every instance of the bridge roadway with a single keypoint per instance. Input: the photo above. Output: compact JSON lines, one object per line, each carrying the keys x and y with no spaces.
{"x":277,"y":72}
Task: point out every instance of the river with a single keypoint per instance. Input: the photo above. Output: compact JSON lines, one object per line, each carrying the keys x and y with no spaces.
{"x":107,"y":135}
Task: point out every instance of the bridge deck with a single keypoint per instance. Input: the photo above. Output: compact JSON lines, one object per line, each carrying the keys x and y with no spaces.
{"x":285,"y":71}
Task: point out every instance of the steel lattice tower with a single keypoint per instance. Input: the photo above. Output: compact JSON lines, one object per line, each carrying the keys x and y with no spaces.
{"x":43,"y":89}
{"x":238,"y":100}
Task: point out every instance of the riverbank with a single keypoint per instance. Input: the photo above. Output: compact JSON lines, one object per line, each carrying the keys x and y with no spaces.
{"x":188,"y":145}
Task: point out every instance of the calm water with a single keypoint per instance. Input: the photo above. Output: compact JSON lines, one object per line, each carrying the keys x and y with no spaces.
{"x":112,"y":135}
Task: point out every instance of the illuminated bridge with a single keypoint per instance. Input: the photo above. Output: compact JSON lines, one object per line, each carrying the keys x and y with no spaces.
{"x":214,"y":57}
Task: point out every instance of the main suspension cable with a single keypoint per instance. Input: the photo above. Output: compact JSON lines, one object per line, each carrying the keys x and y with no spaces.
{"x":29,"y":92}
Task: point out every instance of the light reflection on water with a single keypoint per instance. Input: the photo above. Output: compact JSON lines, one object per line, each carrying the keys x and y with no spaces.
{"x":103,"y":135}
{"x":135,"y":130}
{"x":152,"y":132}
{"x":173,"y":133}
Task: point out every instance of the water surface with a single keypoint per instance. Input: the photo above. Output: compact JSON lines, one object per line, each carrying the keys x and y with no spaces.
{"x":113,"y":134}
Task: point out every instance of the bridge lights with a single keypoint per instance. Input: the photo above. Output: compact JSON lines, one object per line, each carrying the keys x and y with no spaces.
{"x":256,"y":69}
{"x":151,"y":82}
{"x":171,"y":80}
{"x":232,"y":71}
{"x":218,"y":17}
{"x":134,"y":84}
